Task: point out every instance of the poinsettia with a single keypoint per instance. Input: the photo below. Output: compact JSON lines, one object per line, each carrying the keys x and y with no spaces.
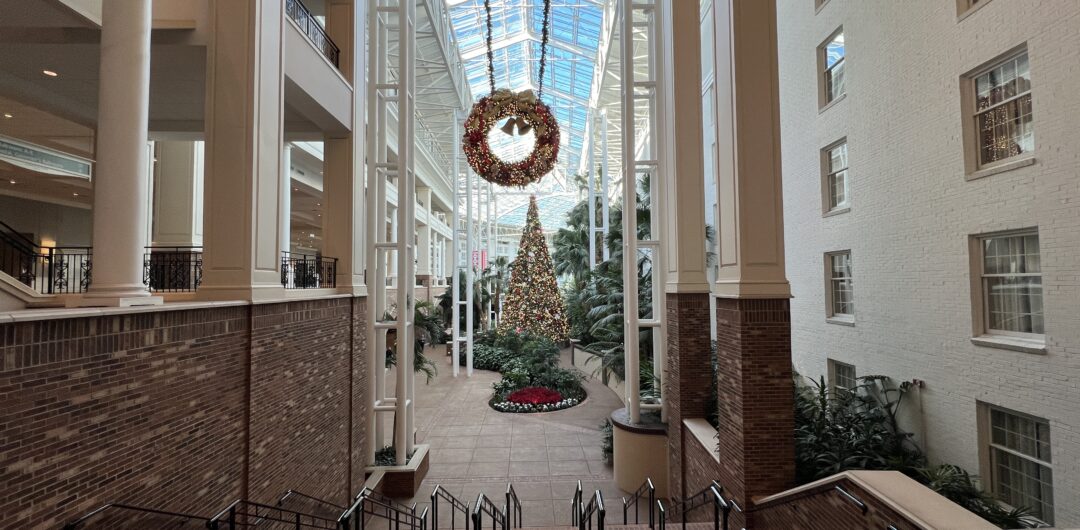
{"x":534,"y":395}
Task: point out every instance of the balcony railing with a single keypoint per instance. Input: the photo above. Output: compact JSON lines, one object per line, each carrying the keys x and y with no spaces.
{"x":299,"y":13}
{"x":172,"y":269}
{"x":55,"y":270}
{"x":305,"y":271}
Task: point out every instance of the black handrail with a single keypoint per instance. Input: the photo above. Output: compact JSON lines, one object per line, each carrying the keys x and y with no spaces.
{"x":647,"y":487}
{"x":575,"y":505}
{"x":314,"y":31}
{"x":455,"y":506}
{"x":306,"y":271}
{"x":661,"y":513}
{"x":353,"y":518}
{"x":15,"y":238}
{"x":173,"y":269}
{"x":290,"y":499}
{"x":243,"y":513}
{"x":513,"y":507}
{"x":595,"y":506}
{"x":714,"y":493}
{"x":73,"y":525}
{"x":484,"y":505}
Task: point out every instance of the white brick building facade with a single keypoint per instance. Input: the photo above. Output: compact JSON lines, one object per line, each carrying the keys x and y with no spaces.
{"x":914,"y":207}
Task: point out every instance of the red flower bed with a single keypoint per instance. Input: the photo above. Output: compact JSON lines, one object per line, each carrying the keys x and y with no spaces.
{"x":534,"y":395}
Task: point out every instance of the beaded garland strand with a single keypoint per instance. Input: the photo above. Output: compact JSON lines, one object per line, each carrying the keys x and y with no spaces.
{"x":528,"y":111}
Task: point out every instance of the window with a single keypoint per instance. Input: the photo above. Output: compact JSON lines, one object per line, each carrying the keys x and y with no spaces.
{"x":1011,"y":284}
{"x":841,"y":300}
{"x":842,"y":375}
{"x":1002,"y":111}
{"x":836,"y":173}
{"x":1018,"y":457}
{"x":831,"y":61}
{"x":966,"y":7}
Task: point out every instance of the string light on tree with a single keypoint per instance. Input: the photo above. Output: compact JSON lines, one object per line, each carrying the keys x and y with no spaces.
{"x":534,"y":303}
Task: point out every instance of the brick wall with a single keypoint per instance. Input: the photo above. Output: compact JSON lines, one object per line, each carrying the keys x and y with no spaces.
{"x":152,"y":408}
{"x":824,"y":508}
{"x":300,"y":398}
{"x":145,"y":408}
{"x":687,"y":388}
{"x":756,"y":409}
{"x":912,"y":211}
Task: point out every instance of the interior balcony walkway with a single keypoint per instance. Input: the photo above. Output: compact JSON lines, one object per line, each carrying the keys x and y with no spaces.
{"x":475,"y":448}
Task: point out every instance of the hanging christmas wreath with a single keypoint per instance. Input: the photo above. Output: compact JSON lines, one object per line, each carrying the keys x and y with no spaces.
{"x":526,"y":112}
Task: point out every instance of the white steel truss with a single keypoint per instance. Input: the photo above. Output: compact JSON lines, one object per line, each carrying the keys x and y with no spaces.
{"x":639,"y":42}
{"x":463,"y":249}
{"x":599,"y":126}
{"x":392,"y":23}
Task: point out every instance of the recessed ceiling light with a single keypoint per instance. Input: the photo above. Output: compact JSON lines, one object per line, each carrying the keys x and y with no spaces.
{"x":12,"y":181}
{"x":74,"y":194}
{"x":50,"y":73}
{"x":318,"y":204}
{"x":8,"y":115}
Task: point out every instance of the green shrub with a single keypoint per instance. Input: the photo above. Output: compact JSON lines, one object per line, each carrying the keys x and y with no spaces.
{"x":608,"y":443}
{"x":840,"y":430}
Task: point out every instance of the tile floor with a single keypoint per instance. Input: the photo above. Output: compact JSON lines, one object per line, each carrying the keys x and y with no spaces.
{"x":476,"y":449}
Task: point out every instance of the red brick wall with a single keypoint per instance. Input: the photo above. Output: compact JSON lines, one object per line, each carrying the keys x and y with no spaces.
{"x":300,"y":399}
{"x":687,"y":389}
{"x":756,"y":409}
{"x":824,"y":508}
{"x":153,"y":408}
{"x":145,"y":408}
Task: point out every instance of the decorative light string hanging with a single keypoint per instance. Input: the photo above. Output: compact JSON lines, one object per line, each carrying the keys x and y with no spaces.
{"x":526,"y":112}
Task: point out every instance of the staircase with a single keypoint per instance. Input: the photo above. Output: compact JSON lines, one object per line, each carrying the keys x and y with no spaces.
{"x":372,"y":510}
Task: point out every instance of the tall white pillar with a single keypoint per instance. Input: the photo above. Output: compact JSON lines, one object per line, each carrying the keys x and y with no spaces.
{"x":423,"y":267}
{"x":285,"y":200}
{"x":122,"y":182}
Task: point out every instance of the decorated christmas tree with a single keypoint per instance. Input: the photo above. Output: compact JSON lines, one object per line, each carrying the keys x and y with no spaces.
{"x":533,"y":303}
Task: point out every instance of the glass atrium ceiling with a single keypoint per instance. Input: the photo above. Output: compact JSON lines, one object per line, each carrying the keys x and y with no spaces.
{"x":571,"y":56}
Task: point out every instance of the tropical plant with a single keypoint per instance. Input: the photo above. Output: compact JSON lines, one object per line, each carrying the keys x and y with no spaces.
{"x":955,"y":484}
{"x":427,"y":329}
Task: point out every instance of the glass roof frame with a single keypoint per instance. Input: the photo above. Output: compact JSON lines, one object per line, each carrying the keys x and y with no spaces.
{"x":574,"y":38}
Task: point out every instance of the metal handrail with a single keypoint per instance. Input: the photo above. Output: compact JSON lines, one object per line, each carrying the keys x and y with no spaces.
{"x":596,"y":505}
{"x":513,"y":508}
{"x":15,"y":238}
{"x":307,"y":271}
{"x":173,"y":269}
{"x":119,"y":506}
{"x":243,"y":513}
{"x":293,"y":494}
{"x":714,"y":493}
{"x":647,"y":487}
{"x":353,"y":518}
{"x":455,"y":506}
{"x":484,"y":505}
{"x":301,"y":15}
{"x":575,"y":505}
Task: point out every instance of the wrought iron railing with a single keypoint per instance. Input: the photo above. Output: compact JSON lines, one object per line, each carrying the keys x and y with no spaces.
{"x":173,"y":269}
{"x":116,"y":515}
{"x":711,"y":494}
{"x":301,"y":502}
{"x":513,"y":508}
{"x":366,"y":504}
{"x":306,"y":271}
{"x":455,"y":506}
{"x":47,"y":270}
{"x":646,"y":489}
{"x":595,"y":507}
{"x":246,"y":514}
{"x":575,"y":505}
{"x":484,"y":507}
{"x":299,"y":13}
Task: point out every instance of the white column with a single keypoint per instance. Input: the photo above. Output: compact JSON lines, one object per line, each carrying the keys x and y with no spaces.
{"x":121,"y":185}
{"x":285,"y":200}
{"x":423,"y":267}
{"x":244,"y":161}
{"x":178,"y":197}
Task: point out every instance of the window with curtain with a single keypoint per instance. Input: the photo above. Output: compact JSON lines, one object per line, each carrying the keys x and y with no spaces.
{"x":1012,"y":284}
{"x":1020,"y":468}
{"x":1004,"y":126}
